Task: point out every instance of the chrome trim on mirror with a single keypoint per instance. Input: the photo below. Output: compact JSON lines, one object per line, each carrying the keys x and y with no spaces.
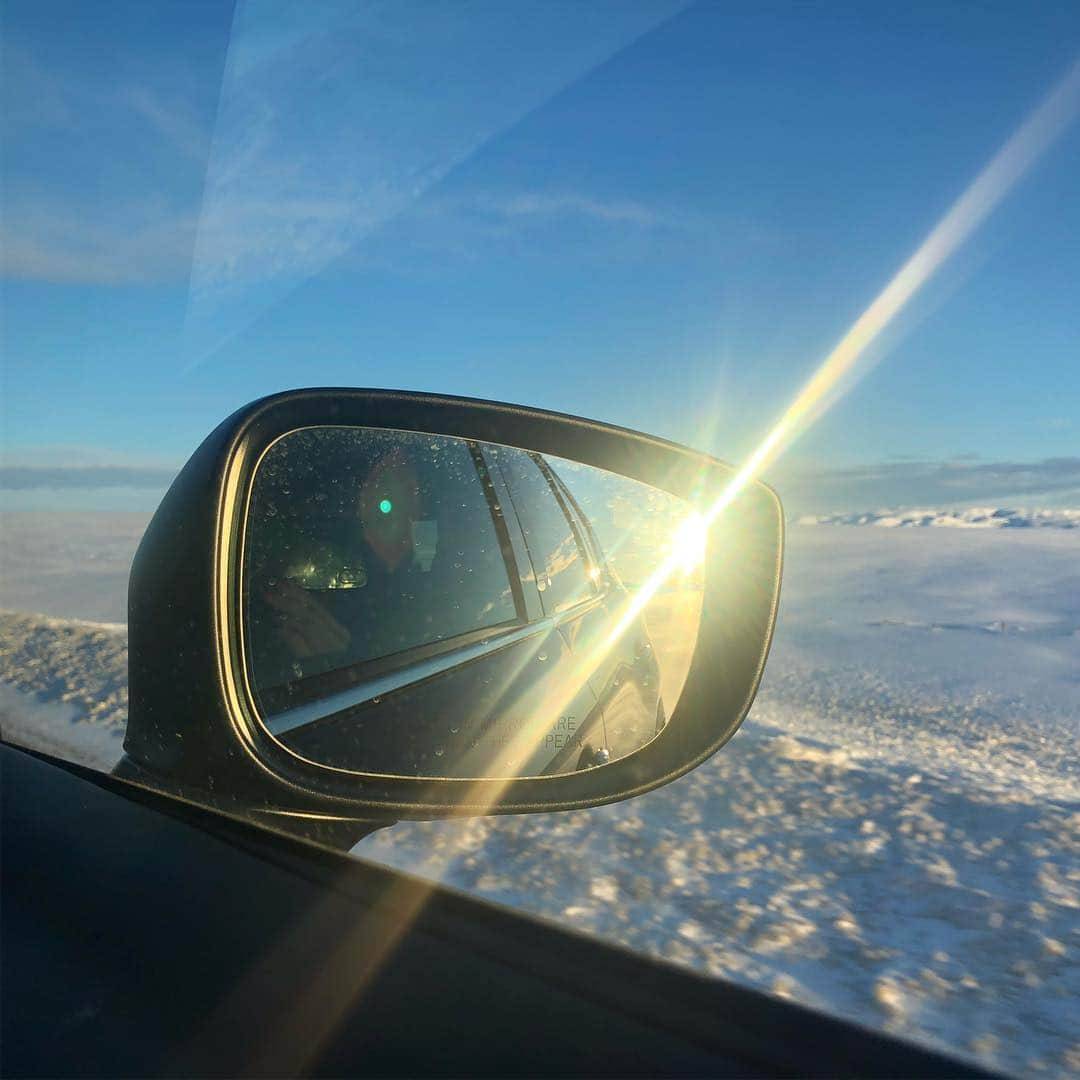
{"x":301,"y":715}
{"x":369,"y":689}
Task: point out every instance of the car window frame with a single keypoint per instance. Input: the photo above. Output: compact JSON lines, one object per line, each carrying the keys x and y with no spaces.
{"x":583,"y":552}
{"x":580,"y":522}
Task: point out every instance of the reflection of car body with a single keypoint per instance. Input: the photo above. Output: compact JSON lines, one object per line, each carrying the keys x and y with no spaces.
{"x":543,"y":687}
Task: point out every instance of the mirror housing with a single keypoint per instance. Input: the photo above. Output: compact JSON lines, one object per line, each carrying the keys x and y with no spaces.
{"x":193,"y":726}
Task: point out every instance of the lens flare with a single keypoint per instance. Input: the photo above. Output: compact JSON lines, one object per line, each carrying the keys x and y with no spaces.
{"x":1050,"y":118}
{"x":1004,"y":170}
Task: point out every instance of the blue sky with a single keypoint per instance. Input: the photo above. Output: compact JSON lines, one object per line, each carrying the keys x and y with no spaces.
{"x":660,"y":214}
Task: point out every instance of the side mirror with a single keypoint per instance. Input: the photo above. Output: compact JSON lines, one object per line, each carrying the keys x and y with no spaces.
{"x":362,"y":605}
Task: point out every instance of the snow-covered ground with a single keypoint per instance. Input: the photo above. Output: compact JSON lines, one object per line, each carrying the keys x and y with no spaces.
{"x":894,"y":834}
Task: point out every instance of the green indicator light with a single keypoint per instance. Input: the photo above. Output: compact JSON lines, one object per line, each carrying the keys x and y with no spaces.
{"x":386,"y":506}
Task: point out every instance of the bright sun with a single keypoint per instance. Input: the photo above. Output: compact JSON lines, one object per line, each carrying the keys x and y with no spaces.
{"x":688,"y":544}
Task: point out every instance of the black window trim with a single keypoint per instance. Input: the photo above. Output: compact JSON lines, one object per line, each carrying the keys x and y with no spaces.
{"x":502,"y":529}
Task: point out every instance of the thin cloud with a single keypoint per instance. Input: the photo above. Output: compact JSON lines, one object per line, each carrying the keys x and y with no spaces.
{"x":145,"y":245}
{"x":305,"y":120}
{"x":173,"y":121}
{"x":34,"y":98}
{"x":572,"y":204}
{"x":97,"y":477}
{"x":128,"y":232}
{"x":447,"y":231}
{"x":38,"y":98}
{"x":278,"y":208}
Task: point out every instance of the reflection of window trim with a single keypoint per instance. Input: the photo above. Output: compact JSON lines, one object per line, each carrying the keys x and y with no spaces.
{"x":502,"y":530}
{"x":321,"y":685}
{"x":578,"y":607}
{"x":379,"y":686}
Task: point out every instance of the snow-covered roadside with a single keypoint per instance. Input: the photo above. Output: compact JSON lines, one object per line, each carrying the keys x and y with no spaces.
{"x":63,"y":686}
{"x":894,"y":835}
{"x":63,"y":669}
{"x":56,"y":728}
{"x":902,"y":899}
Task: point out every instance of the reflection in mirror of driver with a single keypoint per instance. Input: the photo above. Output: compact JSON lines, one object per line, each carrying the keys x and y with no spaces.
{"x":419,"y":605}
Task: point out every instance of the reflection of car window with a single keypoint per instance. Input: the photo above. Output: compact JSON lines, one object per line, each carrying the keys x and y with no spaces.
{"x":562,"y":573}
{"x":403,"y":553}
{"x":585,"y":532}
{"x":632,"y":524}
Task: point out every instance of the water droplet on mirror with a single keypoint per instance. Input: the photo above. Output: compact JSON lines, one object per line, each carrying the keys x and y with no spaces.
{"x":439,"y":751}
{"x":542,"y":656}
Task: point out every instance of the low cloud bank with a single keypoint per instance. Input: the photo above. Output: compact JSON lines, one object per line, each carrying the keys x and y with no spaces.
{"x":912,"y":485}
{"x":88,"y":488}
{"x":33,"y":477}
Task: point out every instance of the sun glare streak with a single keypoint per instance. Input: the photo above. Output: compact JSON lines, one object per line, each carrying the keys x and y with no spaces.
{"x":822,"y":390}
{"x":1004,"y":170}
{"x":689,"y":543}
{"x":1049,"y":119}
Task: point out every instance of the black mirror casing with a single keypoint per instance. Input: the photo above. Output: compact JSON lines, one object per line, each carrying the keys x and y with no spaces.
{"x":193,"y":726}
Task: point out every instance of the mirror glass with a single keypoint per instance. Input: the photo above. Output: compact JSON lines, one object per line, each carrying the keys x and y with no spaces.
{"x":418,"y":605}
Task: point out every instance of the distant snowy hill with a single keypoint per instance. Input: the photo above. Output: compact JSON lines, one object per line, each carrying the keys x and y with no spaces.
{"x":973,"y":517}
